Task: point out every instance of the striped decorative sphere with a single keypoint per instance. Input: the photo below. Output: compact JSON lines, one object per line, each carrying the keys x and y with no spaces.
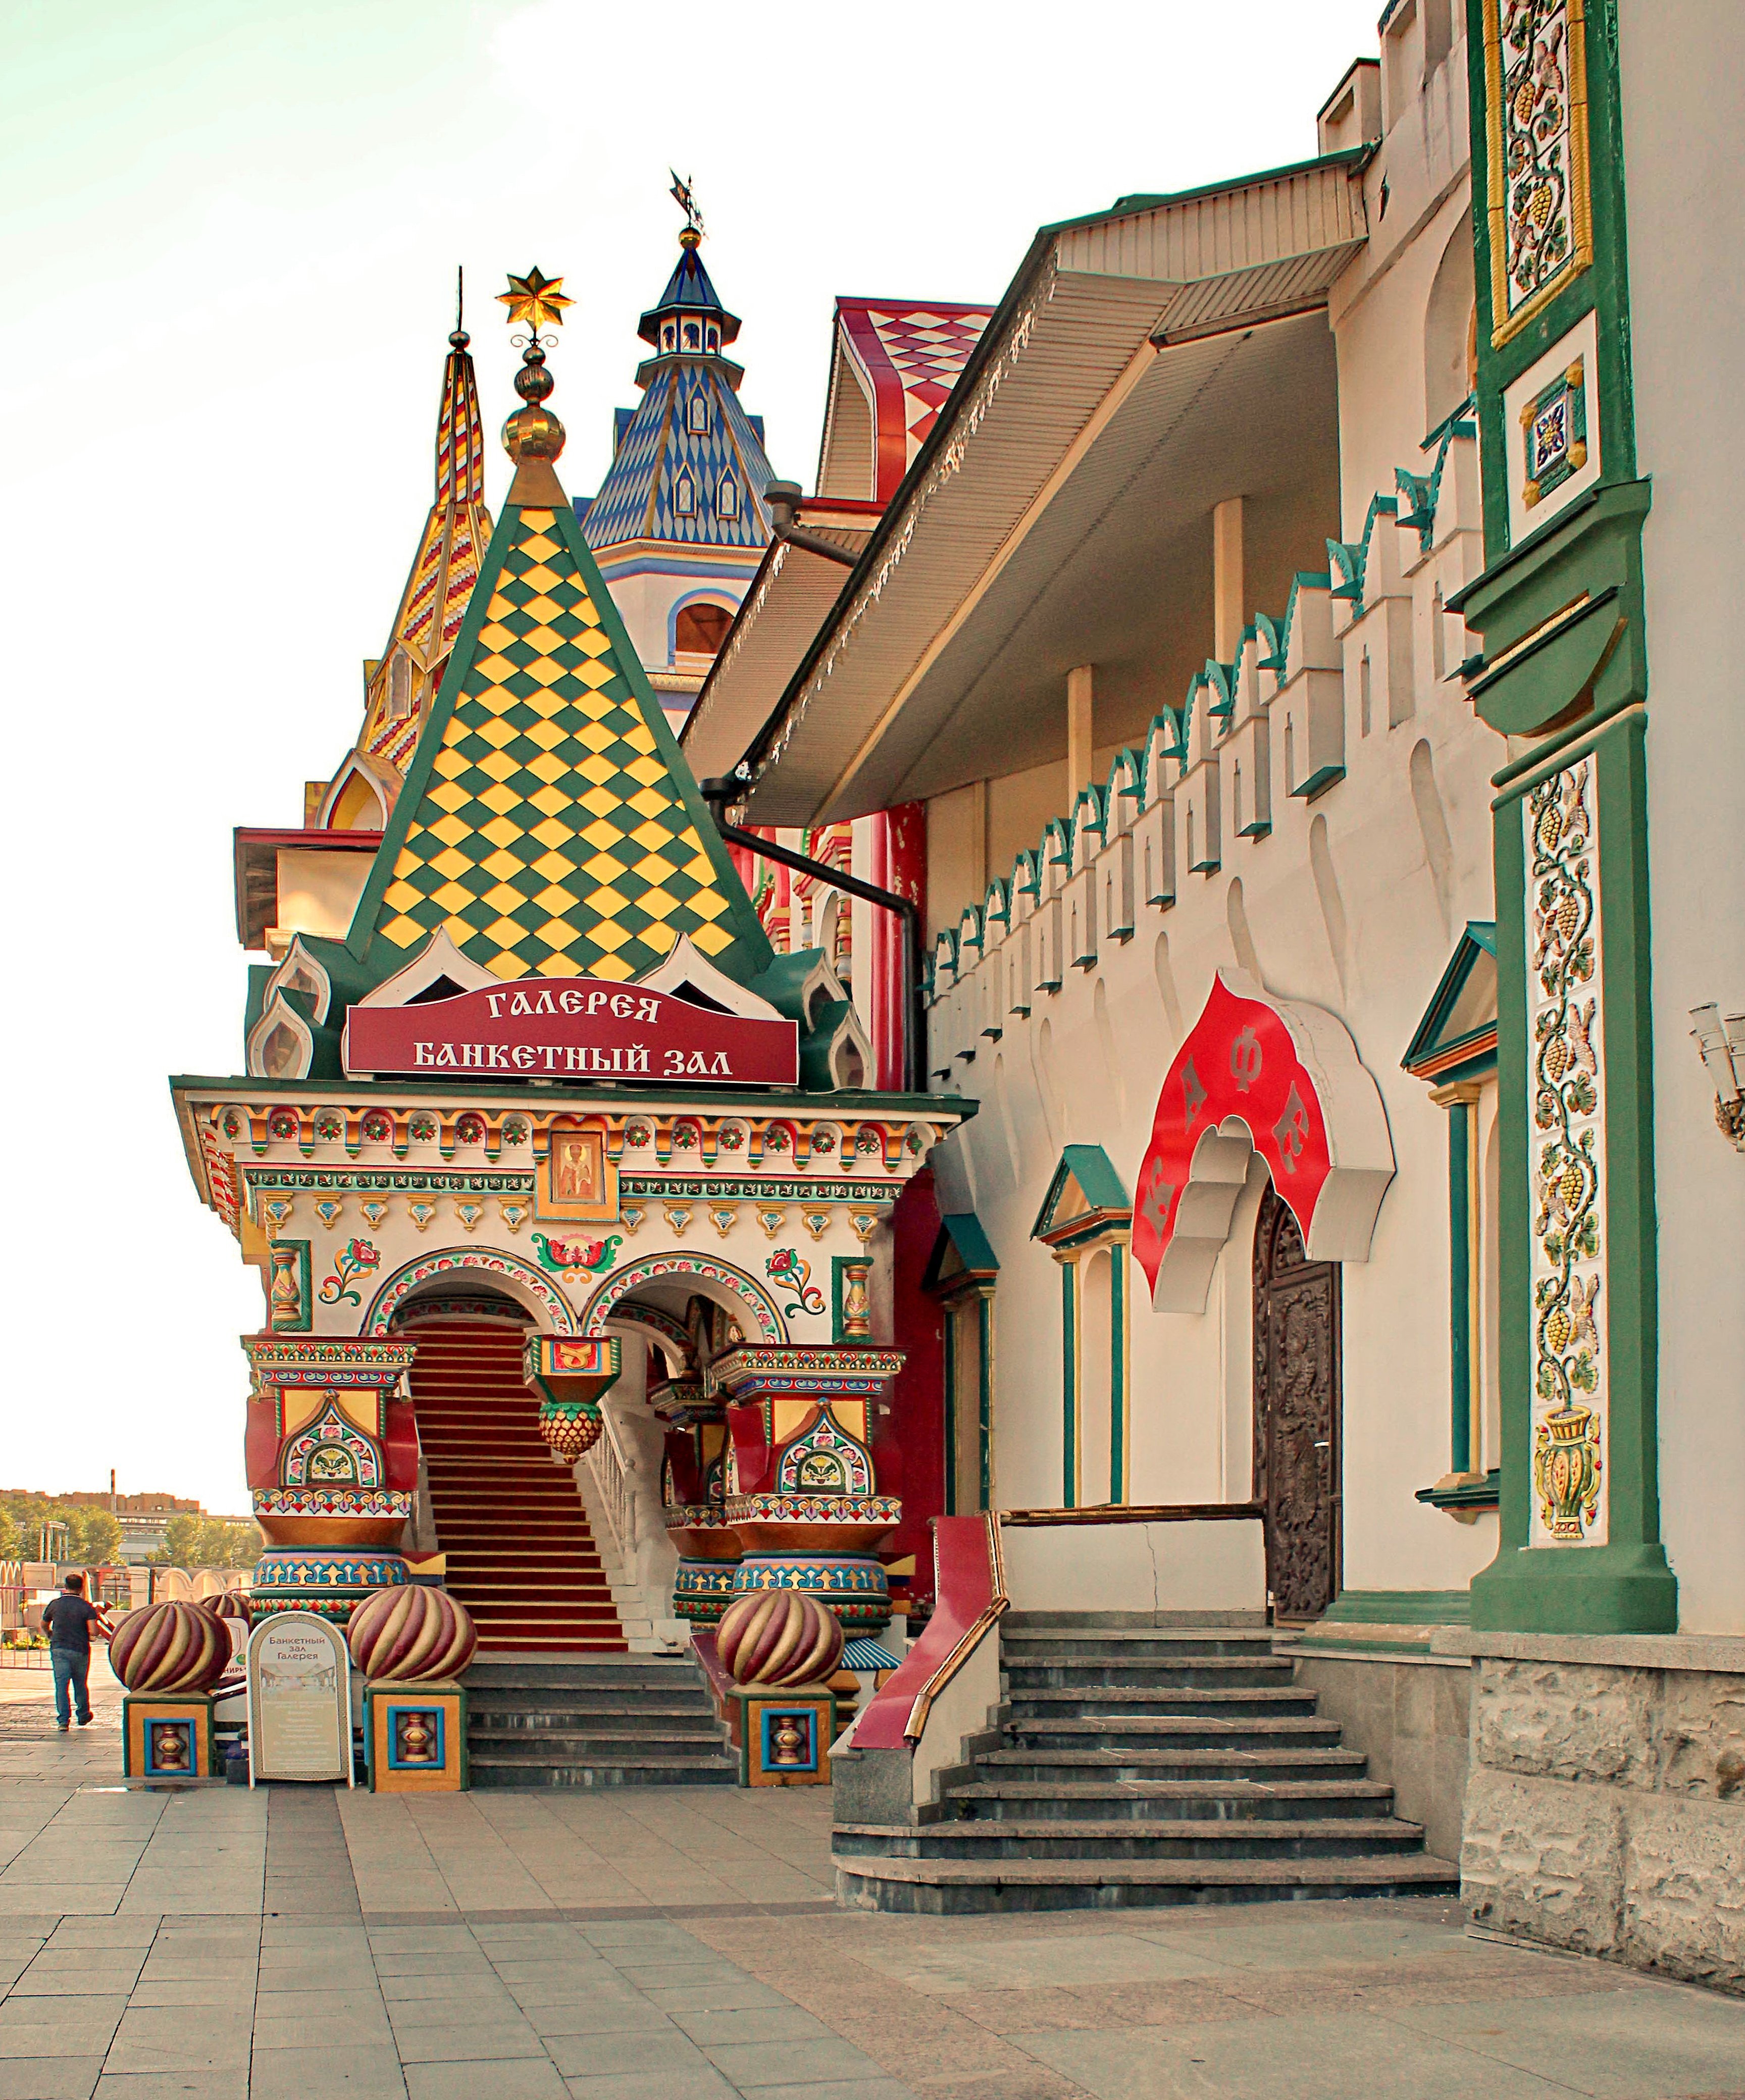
{"x":176,"y":1645}
{"x":411,"y":1633}
{"x":226,"y":1604}
{"x":778,"y":1637}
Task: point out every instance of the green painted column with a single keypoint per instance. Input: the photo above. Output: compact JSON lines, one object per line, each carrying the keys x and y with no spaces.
{"x":950,"y":1411}
{"x":985,"y":1394}
{"x":1563,"y":675}
{"x":1459,"y":1286}
{"x":1069,"y":1397}
{"x":1118,"y":1422}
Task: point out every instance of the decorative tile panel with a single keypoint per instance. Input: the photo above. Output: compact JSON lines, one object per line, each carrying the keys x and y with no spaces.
{"x":1567,"y":1140}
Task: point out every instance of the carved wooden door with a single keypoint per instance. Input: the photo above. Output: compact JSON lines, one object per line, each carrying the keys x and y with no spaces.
{"x":1297,"y":1407}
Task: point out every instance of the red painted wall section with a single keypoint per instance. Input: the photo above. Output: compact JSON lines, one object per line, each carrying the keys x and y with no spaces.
{"x":400,"y":1446}
{"x":908,"y":1444}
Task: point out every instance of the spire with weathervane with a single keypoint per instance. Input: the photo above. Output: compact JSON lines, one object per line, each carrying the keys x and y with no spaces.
{"x":689,"y":466}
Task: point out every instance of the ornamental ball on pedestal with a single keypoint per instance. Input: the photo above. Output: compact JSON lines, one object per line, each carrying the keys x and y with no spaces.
{"x":411,"y":1634}
{"x":778,"y":1637}
{"x":170,"y":1647}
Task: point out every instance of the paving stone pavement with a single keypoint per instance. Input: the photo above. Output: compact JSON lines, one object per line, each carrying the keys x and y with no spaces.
{"x":300,"y":1942}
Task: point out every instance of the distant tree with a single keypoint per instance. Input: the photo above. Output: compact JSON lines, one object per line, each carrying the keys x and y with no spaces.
{"x":11,"y":1538}
{"x":95,"y":1536}
{"x":182,"y":1541}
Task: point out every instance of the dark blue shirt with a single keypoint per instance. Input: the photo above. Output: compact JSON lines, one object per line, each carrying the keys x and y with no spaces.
{"x":68,"y":1620}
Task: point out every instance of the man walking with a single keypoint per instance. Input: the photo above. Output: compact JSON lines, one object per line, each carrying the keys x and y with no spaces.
{"x":68,"y":1620}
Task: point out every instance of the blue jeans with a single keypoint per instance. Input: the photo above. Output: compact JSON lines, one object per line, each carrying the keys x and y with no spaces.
{"x":72,"y":1668}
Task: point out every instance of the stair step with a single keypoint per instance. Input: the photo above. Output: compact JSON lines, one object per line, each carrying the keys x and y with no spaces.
{"x":968,"y":1888}
{"x":1188,"y":1837}
{"x":1073,"y":1801}
{"x":1053,"y":1765}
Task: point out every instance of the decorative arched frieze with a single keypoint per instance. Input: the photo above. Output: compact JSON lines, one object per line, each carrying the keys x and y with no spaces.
{"x":705,"y":1268}
{"x":1266,"y":1076}
{"x":520,"y":1279}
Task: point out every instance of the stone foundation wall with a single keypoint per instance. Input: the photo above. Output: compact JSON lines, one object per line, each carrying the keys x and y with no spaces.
{"x":1409,"y":1715}
{"x":1605,"y":1805}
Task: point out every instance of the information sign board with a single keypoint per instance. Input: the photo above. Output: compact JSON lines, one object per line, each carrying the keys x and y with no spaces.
{"x":300,"y":1699}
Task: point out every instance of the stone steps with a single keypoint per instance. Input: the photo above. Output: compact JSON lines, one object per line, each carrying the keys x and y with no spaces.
{"x":1217,"y":1798}
{"x":1179,"y":1838}
{"x":961,"y":1888}
{"x":556,"y":1721}
{"x":1142,"y":1766}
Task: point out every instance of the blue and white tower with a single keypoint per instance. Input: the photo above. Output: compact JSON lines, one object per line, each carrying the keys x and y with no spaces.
{"x":679,"y":525}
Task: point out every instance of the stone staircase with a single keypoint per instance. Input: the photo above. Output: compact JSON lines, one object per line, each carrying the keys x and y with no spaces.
{"x":579,"y":1721}
{"x":521,"y":1556}
{"x":1143,"y":1766}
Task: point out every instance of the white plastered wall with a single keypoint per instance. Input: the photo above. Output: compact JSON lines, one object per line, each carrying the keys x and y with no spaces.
{"x":1354,"y":902}
{"x":1683,"y":61}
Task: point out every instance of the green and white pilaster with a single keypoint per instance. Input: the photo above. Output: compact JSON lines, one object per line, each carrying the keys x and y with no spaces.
{"x":1564,"y":677}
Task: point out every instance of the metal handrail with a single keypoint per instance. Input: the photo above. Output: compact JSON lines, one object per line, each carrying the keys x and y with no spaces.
{"x":990,"y":1616}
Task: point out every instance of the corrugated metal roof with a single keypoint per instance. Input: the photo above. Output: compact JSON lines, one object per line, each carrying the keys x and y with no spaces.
{"x":1073,"y":331}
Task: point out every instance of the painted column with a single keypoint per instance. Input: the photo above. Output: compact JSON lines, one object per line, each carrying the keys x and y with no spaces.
{"x":1069,"y":1378}
{"x":1564,"y":676}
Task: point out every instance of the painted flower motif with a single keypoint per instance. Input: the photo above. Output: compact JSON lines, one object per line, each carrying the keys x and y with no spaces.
{"x":470,"y":1130}
{"x":638,"y":1134}
{"x":515,"y":1130}
{"x":732,"y":1138}
{"x":281,"y":1123}
{"x":378,"y":1128}
{"x":867,"y":1141}
{"x":328,"y":1128}
{"x":777,"y":1140}
{"x":824,"y":1142}
{"x":685,"y":1137}
{"x":233,"y":1125}
{"x":421,"y":1129}
{"x":914,"y":1139}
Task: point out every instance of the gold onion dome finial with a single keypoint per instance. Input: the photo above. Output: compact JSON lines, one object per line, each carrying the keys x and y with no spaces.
{"x":534,"y":432}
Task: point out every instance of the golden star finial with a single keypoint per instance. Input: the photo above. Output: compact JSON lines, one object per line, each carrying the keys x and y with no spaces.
{"x":535,"y":299}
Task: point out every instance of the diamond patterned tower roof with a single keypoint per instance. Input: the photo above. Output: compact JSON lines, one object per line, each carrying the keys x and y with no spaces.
{"x":444,"y":572}
{"x":549,"y":820}
{"x":689,"y":465}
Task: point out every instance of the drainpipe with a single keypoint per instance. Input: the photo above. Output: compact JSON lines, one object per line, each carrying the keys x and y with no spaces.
{"x":718,"y":793}
{"x":784,"y":500}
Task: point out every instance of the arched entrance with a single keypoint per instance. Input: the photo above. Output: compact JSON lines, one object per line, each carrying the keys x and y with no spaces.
{"x":1298,"y":1464}
{"x":519,"y":1553}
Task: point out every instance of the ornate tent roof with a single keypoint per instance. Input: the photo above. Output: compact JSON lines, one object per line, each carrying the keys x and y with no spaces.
{"x":548,"y":821}
{"x":689,"y":464}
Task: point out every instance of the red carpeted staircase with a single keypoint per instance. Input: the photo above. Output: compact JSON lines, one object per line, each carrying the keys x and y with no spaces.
{"x":520,"y":1556}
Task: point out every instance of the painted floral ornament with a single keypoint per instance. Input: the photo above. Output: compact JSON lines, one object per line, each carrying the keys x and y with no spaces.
{"x":593,"y":1255}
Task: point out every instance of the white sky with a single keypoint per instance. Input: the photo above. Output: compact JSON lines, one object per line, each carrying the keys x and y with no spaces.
{"x":229,"y":232}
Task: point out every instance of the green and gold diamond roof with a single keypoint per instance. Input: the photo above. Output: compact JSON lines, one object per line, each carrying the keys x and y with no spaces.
{"x":549,"y":819}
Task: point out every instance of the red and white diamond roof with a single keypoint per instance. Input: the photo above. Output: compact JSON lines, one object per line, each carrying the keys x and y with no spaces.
{"x":901,"y":359}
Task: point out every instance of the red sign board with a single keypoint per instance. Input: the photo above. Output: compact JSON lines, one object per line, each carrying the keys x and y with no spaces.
{"x":572,"y":1028}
